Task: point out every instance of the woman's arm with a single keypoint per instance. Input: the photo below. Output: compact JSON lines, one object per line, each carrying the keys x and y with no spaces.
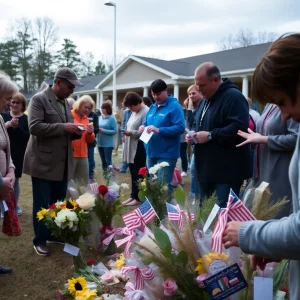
{"x":113,"y":126}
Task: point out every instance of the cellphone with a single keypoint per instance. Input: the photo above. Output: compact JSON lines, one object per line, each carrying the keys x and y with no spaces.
{"x":122,"y":130}
{"x":81,"y":128}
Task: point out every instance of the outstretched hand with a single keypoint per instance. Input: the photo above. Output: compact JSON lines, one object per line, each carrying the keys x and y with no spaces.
{"x":252,"y":138}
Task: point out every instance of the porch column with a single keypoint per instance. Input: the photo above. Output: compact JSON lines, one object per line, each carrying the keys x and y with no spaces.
{"x":101,"y":98}
{"x":176,"y":91}
{"x":145,"y":92}
{"x":245,"y":88}
{"x":97,"y":99}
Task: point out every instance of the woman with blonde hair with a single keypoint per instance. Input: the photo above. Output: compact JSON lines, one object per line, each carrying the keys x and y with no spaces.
{"x":11,"y":225}
{"x":81,"y":109}
{"x":16,"y":123}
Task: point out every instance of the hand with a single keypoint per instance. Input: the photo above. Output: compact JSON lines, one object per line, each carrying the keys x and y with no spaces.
{"x":231,"y":234}
{"x":14,"y":122}
{"x":252,"y":138}
{"x":189,"y":139}
{"x":186,"y":102}
{"x":201,"y":137}
{"x":11,"y":176}
{"x":6,"y":187}
{"x":261,"y":262}
{"x":101,"y":130}
{"x":90,"y":129}
{"x":152,"y":129}
{"x":141,"y":128}
{"x":73,"y":128}
{"x":8,"y":124}
{"x":127,"y":132}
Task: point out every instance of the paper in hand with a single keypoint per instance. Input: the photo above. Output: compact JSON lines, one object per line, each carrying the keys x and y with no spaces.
{"x":145,"y":137}
{"x":191,"y":135}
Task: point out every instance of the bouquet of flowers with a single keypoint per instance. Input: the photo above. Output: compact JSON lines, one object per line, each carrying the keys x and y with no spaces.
{"x":69,"y":220}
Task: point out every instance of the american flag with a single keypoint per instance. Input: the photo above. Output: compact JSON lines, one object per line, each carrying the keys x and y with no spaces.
{"x":235,"y":211}
{"x":94,"y":188}
{"x":176,"y":214}
{"x":139,"y":217}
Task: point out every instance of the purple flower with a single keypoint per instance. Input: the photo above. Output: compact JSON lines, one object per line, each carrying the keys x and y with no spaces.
{"x":110,"y":196}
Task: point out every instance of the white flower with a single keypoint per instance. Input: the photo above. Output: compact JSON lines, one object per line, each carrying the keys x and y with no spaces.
{"x":165,"y":188}
{"x":86,"y":201}
{"x":115,"y":187}
{"x":164,"y":164}
{"x":66,"y":218}
{"x":153,"y":170}
{"x":125,"y":186}
{"x":154,"y":177}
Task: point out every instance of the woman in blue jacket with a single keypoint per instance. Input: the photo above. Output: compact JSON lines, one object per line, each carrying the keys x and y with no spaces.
{"x":166,"y":120}
{"x":105,"y":139}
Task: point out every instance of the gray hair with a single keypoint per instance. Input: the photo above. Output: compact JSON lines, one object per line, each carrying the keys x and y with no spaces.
{"x":84,"y":99}
{"x":7,"y":86}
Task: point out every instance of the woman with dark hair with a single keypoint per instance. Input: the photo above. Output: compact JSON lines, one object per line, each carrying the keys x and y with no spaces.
{"x":276,"y":80}
{"x":134,"y":151}
{"x":105,"y":139}
{"x":16,"y":123}
{"x":148,"y":101}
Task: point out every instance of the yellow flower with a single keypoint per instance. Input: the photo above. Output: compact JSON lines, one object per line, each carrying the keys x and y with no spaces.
{"x":41,"y":214}
{"x":86,"y":294}
{"x":52,"y":214}
{"x":71,"y":204}
{"x":76,"y":284}
{"x":200,"y":267}
{"x":120,"y":262}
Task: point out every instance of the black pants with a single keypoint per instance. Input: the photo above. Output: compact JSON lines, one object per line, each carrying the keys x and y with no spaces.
{"x":183,"y":156}
{"x":139,"y":162}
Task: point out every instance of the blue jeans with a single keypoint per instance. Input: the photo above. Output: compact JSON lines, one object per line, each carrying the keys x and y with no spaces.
{"x":124,"y":166}
{"x":165,"y":173}
{"x":91,"y":158}
{"x":105,"y":155}
{"x":45,"y":193}
{"x":195,"y":189}
{"x":222,"y":190}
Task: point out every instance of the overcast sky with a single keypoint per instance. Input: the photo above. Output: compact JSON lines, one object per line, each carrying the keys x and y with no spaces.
{"x":166,"y":29}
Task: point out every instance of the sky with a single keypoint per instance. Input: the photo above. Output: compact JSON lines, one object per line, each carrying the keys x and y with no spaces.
{"x":166,"y":29}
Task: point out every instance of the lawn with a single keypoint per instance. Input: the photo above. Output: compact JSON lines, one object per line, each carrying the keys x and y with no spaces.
{"x":34,"y":276}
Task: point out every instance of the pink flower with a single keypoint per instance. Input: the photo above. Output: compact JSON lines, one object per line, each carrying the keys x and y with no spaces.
{"x":108,"y":277}
{"x":200,"y":279}
{"x":170,"y":287}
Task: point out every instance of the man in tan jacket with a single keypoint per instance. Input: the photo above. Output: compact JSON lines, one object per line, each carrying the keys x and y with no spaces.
{"x":49,"y":154}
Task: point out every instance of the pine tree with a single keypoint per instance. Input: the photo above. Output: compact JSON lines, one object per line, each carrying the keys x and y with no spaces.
{"x":100,"y":68}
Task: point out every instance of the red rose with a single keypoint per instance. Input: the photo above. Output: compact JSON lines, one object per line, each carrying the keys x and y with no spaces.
{"x":143,"y":171}
{"x":102,"y":189}
{"x":53,"y":206}
{"x":91,"y":262}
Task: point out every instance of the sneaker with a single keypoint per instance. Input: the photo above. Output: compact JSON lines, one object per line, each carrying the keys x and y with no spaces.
{"x":183,"y":174}
{"x":55,"y":241}
{"x":19,"y":210}
{"x":41,"y":250}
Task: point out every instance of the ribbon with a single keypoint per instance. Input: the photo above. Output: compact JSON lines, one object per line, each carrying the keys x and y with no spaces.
{"x":128,"y":240}
{"x":135,"y":295}
{"x":140,"y":275}
{"x":183,"y":214}
{"x":94,"y":188}
{"x":112,"y":234}
{"x":235,"y":211}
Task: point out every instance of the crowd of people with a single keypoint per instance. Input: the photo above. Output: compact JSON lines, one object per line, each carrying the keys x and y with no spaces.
{"x":216,"y":133}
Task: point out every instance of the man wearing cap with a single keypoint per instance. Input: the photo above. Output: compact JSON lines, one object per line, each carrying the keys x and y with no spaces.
{"x":49,"y":154}
{"x":166,"y":120}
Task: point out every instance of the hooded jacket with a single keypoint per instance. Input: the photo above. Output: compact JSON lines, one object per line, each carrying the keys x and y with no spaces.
{"x":219,"y":160}
{"x":169,"y":119}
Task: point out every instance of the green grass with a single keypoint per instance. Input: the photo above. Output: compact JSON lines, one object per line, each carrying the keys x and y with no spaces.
{"x":34,"y":276}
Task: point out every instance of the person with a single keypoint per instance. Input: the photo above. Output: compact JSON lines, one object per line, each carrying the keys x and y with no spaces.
{"x":165,"y":120}
{"x":134,"y":151}
{"x":105,"y":139}
{"x":11,"y":225}
{"x":93,"y":118}
{"x":82,"y":109}
{"x":220,"y":165}
{"x":192,"y":104}
{"x":253,"y":113}
{"x":125,"y":115}
{"x":183,"y":148}
{"x":16,"y":123}
{"x":147,"y":101}
{"x":71,"y":102}
{"x":276,"y":80}
{"x":49,"y":155}
{"x":276,"y":139}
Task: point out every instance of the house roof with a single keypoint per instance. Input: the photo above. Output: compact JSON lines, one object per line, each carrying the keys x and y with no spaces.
{"x":228,"y":60}
{"x":89,"y":83}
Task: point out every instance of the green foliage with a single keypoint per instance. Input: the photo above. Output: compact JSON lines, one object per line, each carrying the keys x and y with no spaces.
{"x":163,"y":242}
{"x":179,"y":195}
{"x":100,"y":68}
{"x":280,"y":275}
{"x":206,"y":208}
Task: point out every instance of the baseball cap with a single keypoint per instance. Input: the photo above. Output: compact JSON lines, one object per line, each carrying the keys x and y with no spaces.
{"x":68,"y":74}
{"x":158,"y":86}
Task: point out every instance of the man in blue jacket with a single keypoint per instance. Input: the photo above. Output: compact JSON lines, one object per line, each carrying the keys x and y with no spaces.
{"x":166,"y":120}
{"x":220,"y":164}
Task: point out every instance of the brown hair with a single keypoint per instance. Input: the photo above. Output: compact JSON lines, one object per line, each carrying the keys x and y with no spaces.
{"x":105,"y":105}
{"x":20,"y":97}
{"x":132,"y":98}
{"x":279,"y":69}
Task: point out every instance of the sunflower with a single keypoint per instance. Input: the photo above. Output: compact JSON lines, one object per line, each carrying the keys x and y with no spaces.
{"x":71,"y":204}
{"x":41,"y":214}
{"x":200,"y":267}
{"x":120,"y":262}
{"x":52,"y":214}
{"x":86,"y":294}
{"x":76,"y":285}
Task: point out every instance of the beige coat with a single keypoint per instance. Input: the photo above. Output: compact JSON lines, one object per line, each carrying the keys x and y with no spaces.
{"x":49,"y":145}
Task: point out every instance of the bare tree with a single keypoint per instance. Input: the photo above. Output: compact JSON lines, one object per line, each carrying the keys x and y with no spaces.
{"x":245,"y":38}
{"x":266,"y":37}
{"x":227,"y":42}
{"x":87,"y":64}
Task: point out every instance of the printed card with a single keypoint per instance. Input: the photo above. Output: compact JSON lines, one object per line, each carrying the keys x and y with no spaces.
{"x":71,"y":249}
{"x":263,"y":288}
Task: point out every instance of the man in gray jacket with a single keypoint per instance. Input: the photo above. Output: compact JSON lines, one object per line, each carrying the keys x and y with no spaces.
{"x":49,"y":154}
